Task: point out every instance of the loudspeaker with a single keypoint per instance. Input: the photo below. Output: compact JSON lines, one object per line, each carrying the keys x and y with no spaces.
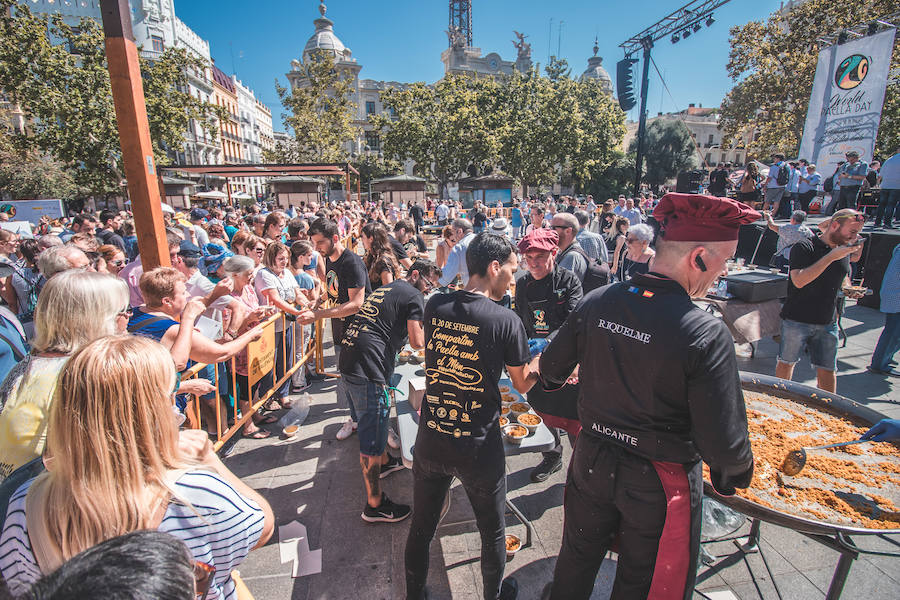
{"x":876,"y":256}
{"x":688,"y":182}
{"x":748,"y":236}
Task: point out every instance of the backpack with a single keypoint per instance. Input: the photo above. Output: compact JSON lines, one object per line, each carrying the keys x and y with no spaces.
{"x":828,"y":185}
{"x":596,"y":275}
{"x":784,"y":174}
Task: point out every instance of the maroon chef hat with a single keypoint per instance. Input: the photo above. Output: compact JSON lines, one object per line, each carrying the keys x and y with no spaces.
{"x":696,"y":218}
{"x":545,"y":240}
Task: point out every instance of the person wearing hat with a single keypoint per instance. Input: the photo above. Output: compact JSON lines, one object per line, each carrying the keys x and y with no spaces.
{"x":500,"y":226}
{"x":197,"y":217}
{"x":216,"y":297}
{"x":545,"y":295}
{"x":660,"y":392}
{"x":851,"y":175}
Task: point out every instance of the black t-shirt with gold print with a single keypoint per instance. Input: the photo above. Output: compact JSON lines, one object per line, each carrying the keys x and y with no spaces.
{"x":468,"y":341}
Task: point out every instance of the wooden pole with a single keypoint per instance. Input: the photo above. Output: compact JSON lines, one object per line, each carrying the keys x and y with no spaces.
{"x":134,"y":133}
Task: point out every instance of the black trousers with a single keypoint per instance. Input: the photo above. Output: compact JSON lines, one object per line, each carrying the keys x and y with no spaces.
{"x":485,"y":486}
{"x":805,"y":198}
{"x":609,"y":492}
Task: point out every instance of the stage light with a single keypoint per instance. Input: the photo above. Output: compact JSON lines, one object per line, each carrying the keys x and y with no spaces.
{"x":697,"y":27}
{"x":686,"y":33}
{"x":675,"y":37}
{"x":873,"y":28}
{"x":710,"y":20}
{"x":842,"y":37}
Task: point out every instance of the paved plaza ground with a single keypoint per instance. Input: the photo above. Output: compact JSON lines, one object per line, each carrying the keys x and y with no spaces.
{"x":316,"y":480}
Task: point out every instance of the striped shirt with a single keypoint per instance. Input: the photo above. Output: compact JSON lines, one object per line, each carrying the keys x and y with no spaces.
{"x":217,"y":524}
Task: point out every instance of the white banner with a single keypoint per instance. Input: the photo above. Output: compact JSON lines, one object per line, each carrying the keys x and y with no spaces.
{"x":847,"y":96}
{"x":33,"y":210}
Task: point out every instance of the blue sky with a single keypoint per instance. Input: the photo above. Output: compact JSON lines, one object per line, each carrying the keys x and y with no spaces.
{"x":401,"y":40}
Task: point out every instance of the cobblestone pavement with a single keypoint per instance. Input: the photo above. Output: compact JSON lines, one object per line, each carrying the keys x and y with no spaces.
{"x":316,"y":480}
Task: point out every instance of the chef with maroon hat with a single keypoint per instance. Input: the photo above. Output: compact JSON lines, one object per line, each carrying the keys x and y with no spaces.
{"x":545,"y":296}
{"x":660,"y":392}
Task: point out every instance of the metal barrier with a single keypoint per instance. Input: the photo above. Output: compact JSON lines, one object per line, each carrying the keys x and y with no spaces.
{"x":313,"y":350}
{"x":193,"y":409}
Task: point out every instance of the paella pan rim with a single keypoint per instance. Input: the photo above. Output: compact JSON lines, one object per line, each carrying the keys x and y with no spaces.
{"x":814,"y":397}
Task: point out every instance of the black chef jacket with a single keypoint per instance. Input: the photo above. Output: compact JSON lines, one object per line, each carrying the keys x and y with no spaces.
{"x":658,"y":376}
{"x":543,"y":306}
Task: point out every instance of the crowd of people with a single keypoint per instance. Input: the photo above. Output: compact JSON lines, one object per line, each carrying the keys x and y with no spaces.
{"x":96,"y":347}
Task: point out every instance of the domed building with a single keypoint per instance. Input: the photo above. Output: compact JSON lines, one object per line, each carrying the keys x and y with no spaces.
{"x":596,"y":71}
{"x":365,"y":94}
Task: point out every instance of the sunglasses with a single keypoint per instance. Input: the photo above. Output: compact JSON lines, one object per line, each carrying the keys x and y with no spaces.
{"x":125,"y":312}
{"x":859,"y":218}
{"x":203,"y":578}
{"x":560,"y":227}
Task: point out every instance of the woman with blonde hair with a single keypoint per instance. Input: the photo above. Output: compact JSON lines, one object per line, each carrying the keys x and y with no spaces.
{"x":73,"y":309}
{"x":133,"y":471}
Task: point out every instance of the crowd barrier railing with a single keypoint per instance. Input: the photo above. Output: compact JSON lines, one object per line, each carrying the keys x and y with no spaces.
{"x":312,"y":350}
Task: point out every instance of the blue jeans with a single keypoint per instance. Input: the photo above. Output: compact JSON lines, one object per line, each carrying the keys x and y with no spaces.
{"x":888,"y":342}
{"x":887,"y":208}
{"x":369,"y":408}
{"x":820,"y":340}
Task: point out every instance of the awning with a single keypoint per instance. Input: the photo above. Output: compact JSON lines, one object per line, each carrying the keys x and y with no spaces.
{"x":215,"y":195}
{"x":241,"y":196}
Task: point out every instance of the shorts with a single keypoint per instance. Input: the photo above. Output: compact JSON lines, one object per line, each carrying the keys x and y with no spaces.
{"x":774,"y":194}
{"x":820,"y":340}
{"x":370,"y":405}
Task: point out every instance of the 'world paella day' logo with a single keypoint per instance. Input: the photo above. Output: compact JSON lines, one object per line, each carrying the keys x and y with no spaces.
{"x":851,"y":72}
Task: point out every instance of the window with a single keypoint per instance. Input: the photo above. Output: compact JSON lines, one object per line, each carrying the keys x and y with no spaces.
{"x":373,"y":141}
{"x":710,"y":138}
{"x":708,"y":158}
{"x":393,"y":113}
{"x":370,"y":107}
{"x":157,"y":42}
{"x":737,"y":159}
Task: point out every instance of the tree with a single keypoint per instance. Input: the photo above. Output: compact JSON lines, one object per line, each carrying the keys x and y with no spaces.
{"x":444,"y":128}
{"x":26,"y":175}
{"x":668,"y":150}
{"x":58,"y":75}
{"x":774,"y":63}
{"x":320,"y":112}
{"x":615,"y":179}
{"x":374,"y":166}
{"x":601,"y":128}
{"x":537,"y":124}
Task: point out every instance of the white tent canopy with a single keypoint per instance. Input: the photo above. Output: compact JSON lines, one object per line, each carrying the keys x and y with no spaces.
{"x":214,"y":194}
{"x":241,"y":196}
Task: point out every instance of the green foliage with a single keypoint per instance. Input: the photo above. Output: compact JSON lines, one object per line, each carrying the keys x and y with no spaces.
{"x":668,"y":150}
{"x":774,"y":63}
{"x":536,"y":129}
{"x":612,"y":180}
{"x":58,"y":75}
{"x":319,"y":112}
{"x":445,"y":128}
{"x":374,"y":166}
{"x":26,"y":175}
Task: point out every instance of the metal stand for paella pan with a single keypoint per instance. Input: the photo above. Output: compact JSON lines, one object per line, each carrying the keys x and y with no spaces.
{"x":832,"y":535}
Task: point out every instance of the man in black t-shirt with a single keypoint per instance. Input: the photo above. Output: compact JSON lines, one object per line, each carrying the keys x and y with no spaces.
{"x":403,"y":242}
{"x":545,"y":296}
{"x":469,"y":340}
{"x":820,"y":267}
{"x":110,"y":223}
{"x":346,"y":286}
{"x":372,"y":338}
{"x":718,"y":180}
{"x":479,"y":217}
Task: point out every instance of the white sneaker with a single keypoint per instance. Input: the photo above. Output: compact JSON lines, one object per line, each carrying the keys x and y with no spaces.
{"x":346,"y":430}
{"x":393,"y":439}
